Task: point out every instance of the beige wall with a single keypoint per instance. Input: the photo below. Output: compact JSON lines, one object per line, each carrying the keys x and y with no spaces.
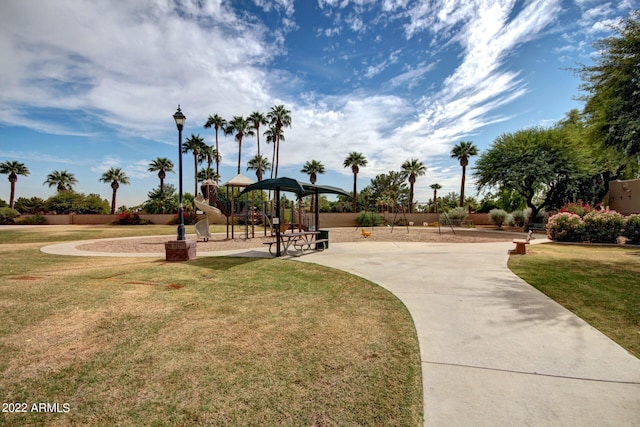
{"x":624,"y":196}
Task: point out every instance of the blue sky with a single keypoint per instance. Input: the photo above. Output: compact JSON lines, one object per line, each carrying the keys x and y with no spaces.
{"x":87,"y":85}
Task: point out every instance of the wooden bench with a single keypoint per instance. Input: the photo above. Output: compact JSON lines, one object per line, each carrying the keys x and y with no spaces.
{"x":521,"y":244}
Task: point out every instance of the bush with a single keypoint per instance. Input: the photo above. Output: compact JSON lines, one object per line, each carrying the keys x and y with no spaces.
{"x":520,"y":217}
{"x":7,"y":215}
{"x":32,"y":205}
{"x":36,"y":219}
{"x":190,"y":218}
{"x":632,"y":229}
{"x":566,"y":227}
{"x":457,"y":215}
{"x":368,"y":219}
{"x":65,"y":202}
{"x":498,"y":217}
{"x":578,"y":208}
{"x":604,"y":226}
{"x":130,"y":218}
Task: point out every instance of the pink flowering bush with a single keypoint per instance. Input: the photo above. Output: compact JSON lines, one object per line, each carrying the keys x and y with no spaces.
{"x":578,"y":208}
{"x":566,"y":227}
{"x":603,"y":226}
{"x":130,"y":218}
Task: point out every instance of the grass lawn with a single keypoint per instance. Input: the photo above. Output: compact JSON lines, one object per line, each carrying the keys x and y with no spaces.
{"x":213,"y":341}
{"x":599,"y":284}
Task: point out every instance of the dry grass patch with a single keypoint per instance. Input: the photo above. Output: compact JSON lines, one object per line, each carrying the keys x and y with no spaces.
{"x":215,"y":341}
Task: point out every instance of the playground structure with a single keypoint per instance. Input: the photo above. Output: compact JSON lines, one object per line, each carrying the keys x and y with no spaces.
{"x":213,"y":215}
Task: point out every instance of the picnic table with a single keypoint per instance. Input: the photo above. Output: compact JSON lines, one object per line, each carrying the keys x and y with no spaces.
{"x":300,"y":240}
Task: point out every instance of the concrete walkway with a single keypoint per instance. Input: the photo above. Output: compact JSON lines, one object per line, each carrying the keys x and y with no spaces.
{"x":494,"y":351}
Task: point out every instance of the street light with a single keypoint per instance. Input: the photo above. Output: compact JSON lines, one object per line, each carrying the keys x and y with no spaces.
{"x":180,"y":118}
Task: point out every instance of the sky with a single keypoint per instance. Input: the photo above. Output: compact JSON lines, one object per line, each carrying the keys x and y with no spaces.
{"x":86,"y":85}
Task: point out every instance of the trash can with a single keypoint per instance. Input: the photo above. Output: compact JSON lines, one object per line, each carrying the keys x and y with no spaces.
{"x":324,"y":234}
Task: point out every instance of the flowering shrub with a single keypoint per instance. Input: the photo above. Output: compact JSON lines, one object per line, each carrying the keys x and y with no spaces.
{"x":566,"y":227}
{"x":603,"y":226}
{"x":632,"y":229}
{"x":578,"y":208}
{"x":190,"y":218}
{"x":130,"y":218}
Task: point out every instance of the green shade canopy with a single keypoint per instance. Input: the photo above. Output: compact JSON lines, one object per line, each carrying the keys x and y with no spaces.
{"x":301,"y":189}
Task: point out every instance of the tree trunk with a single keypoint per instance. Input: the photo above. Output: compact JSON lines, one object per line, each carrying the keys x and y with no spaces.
{"x":464,"y":172}
{"x":239,"y":154}
{"x":355,"y":199}
{"x":13,"y":193}
{"x":113,"y":201}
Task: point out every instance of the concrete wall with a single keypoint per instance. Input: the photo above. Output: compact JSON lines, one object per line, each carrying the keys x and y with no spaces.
{"x":624,"y":196}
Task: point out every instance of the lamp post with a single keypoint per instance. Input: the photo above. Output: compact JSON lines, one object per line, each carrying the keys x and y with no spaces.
{"x":180,"y":118}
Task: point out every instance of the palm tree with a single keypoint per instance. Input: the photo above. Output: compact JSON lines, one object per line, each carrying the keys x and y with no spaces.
{"x":435,"y":188}
{"x":115,"y":176}
{"x":413,"y":168}
{"x":63,"y":180}
{"x":241,"y":127}
{"x":162,"y":165}
{"x":355,"y":161}
{"x":256,"y":119}
{"x":272,"y":138}
{"x":196,"y":145}
{"x":313,"y":168}
{"x":13,"y":168}
{"x":218,"y":123}
{"x":259,"y":164}
{"x":278,"y":117}
{"x":462,"y":152}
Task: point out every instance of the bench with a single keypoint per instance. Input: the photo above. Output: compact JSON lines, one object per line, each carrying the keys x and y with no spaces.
{"x":320,"y":244}
{"x":521,"y":244}
{"x":535,"y":227}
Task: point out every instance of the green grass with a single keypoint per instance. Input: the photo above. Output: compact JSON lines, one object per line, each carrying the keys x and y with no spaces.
{"x":213,"y":341}
{"x":599,"y":284}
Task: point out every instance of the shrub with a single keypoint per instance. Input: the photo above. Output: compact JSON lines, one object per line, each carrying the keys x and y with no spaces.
{"x":566,"y":227}
{"x":498,"y":217}
{"x":368,"y":219}
{"x":604,"y":226}
{"x":578,"y":208}
{"x":32,"y":220}
{"x":190,"y":218}
{"x":520,"y":217}
{"x":130,"y":218}
{"x":456,"y":215}
{"x":65,"y":202}
{"x":32,"y":205}
{"x":632,"y":229}
{"x":7,"y":215}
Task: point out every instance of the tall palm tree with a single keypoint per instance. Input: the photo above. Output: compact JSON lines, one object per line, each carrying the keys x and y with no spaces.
{"x":313,"y":168}
{"x":63,"y":180}
{"x":413,"y":168}
{"x":462,"y":152}
{"x":435,"y":188}
{"x":278,"y":117}
{"x":115,"y":176}
{"x":259,"y":163}
{"x":218,"y":123}
{"x":241,"y":127}
{"x":272,"y":137}
{"x":355,"y":161}
{"x":162,"y":165}
{"x":256,"y":119}
{"x":13,"y":168}
{"x":196,"y":145}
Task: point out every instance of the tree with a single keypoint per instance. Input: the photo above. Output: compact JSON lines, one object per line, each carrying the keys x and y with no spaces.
{"x":388,"y":189}
{"x":413,"y":168}
{"x":462,"y":152}
{"x":313,"y":168}
{"x":435,"y":188}
{"x":63,"y":180}
{"x":612,"y":87}
{"x":115,"y":176}
{"x":536,"y":163}
{"x":259,"y":163}
{"x":272,"y":138}
{"x":33,"y":205}
{"x":278,"y":117}
{"x":162,"y":165}
{"x":241,"y":127}
{"x":355,"y":161}
{"x":13,"y":168}
{"x":161,"y":201}
{"x":218,"y":123}
{"x":196,"y":145}
{"x":256,"y":119}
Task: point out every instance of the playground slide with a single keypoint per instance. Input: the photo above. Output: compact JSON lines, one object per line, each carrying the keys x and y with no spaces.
{"x":213,"y":216}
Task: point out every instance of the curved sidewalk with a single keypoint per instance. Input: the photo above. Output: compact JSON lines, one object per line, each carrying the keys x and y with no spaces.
{"x":494,"y":350}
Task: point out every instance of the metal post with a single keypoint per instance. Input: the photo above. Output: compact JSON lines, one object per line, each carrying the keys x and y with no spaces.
{"x":181,"y":231}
